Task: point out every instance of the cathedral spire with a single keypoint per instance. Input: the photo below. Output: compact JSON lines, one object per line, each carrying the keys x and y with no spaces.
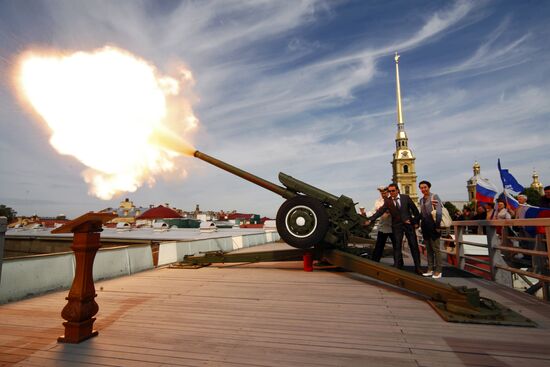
{"x":398,"y":90}
{"x":401,"y":137}
{"x":404,"y":173}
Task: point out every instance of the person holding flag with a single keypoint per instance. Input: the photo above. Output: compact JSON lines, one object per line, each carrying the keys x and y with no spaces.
{"x":511,"y":186}
{"x":507,"y":202}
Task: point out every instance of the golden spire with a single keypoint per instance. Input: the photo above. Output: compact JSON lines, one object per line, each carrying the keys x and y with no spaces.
{"x":401,"y":134}
{"x":477,"y":168}
{"x":398,"y":90}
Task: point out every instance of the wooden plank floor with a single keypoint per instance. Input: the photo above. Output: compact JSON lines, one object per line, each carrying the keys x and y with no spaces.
{"x":271,"y":314}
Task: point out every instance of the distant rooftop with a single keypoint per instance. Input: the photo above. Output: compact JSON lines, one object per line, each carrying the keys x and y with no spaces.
{"x":160,"y":212}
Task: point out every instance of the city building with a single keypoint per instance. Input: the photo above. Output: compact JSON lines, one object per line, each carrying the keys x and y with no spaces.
{"x":126,"y":212}
{"x":37,"y":222}
{"x":404,"y":172}
{"x":472,"y":182}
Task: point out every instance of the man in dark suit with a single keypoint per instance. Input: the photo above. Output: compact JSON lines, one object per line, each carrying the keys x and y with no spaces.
{"x":405,"y":217}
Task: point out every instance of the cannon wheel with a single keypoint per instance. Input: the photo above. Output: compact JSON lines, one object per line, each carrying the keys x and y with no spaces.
{"x":302,"y":222}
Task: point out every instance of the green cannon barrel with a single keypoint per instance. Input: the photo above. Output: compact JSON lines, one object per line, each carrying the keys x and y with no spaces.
{"x":287,"y":194}
{"x":306,"y":189}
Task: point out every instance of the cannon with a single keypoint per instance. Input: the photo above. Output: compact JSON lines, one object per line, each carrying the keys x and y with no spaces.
{"x":320,"y":224}
{"x":310,"y":216}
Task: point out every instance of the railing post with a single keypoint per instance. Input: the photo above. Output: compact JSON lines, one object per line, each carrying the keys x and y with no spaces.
{"x":81,"y":306}
{"x":461,"y":261}
{"x":545,"y":285}
{"x":495,"y":257}
{"x":537,"y":261}
{"x":547,"y":230}
{"x":3,"y":228}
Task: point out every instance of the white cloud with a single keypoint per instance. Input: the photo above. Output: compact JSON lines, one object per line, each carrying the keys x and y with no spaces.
{"x":492,"y":55}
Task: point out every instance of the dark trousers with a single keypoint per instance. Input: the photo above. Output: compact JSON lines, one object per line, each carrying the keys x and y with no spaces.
{"x":400,"y":231}
{"x":381,"y":239}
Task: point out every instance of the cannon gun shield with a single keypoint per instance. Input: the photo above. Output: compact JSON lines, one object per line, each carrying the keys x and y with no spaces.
{"x":302,"y":222}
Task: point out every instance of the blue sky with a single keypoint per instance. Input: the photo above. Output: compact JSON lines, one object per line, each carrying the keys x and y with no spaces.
{"x":302,"y":87}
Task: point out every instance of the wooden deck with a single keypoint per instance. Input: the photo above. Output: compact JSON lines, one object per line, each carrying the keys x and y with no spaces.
{"x":271,"y":314}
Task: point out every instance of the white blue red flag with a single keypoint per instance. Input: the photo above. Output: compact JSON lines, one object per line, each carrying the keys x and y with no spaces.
{"x":511,"y":202}
{"x":485,"y":191}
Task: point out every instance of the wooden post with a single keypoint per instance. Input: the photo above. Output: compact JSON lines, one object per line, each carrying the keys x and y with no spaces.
{"x":155,"y":251}
{"x":81,"y":306}
{"x":491,"y":237}
{"x":495,"y":257}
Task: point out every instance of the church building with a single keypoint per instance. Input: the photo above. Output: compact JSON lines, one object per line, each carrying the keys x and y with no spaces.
{"x":404,"y":172}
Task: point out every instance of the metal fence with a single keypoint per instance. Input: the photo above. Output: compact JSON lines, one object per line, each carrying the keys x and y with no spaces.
{"x":503,"y":243}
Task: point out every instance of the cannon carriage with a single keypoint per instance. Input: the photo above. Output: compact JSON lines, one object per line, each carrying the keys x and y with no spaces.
{"x":320,"y":225}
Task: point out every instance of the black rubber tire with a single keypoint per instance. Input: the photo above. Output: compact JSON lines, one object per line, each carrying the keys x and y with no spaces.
{"x":302,"y":209}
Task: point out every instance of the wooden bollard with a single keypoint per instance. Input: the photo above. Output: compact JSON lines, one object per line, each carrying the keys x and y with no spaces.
{"x":81,"y":306}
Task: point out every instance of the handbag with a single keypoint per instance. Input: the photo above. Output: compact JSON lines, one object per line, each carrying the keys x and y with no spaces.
{"x":445,"y":216}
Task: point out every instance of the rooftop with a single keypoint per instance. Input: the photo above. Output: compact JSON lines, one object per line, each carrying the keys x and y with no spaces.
{"x":159,"y":212}
{"x":269,"y":314}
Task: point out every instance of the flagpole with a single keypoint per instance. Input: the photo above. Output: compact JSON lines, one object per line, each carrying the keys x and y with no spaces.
{"x":503,"y":185}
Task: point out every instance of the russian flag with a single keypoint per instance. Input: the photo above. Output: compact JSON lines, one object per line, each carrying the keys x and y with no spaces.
{"x":536,"y":212}
{"x":485,"y":191}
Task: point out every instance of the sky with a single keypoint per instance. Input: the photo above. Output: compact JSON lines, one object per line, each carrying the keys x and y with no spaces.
{"x":301,"y":87}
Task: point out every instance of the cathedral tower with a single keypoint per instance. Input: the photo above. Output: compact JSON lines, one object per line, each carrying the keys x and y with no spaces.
{"x":404,"y":172}
{"x":472,"y":183}
{"x":536,"y":183}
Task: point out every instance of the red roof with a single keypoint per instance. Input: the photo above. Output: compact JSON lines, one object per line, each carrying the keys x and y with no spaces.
{"x":50,"y":223}
{"x":239,"y":216}
{"x":263,"y":219}
{"x":160,"y":212}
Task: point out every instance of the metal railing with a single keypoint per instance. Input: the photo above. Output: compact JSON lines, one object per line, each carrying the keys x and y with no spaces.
{"x":502,"y":246}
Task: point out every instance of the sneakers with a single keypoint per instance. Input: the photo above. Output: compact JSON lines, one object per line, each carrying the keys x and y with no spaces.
{"x":427,"y":274}
{"x":436,"y":275}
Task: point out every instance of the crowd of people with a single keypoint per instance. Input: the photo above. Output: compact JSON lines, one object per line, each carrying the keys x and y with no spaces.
{"x":399,"y":217}
{"x":487,"y":211}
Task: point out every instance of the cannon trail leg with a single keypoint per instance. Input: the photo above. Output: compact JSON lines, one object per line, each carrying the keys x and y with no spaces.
{"x":454,"y":304}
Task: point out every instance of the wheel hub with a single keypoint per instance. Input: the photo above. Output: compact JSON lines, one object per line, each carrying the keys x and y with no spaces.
{"x":301,"y":221}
